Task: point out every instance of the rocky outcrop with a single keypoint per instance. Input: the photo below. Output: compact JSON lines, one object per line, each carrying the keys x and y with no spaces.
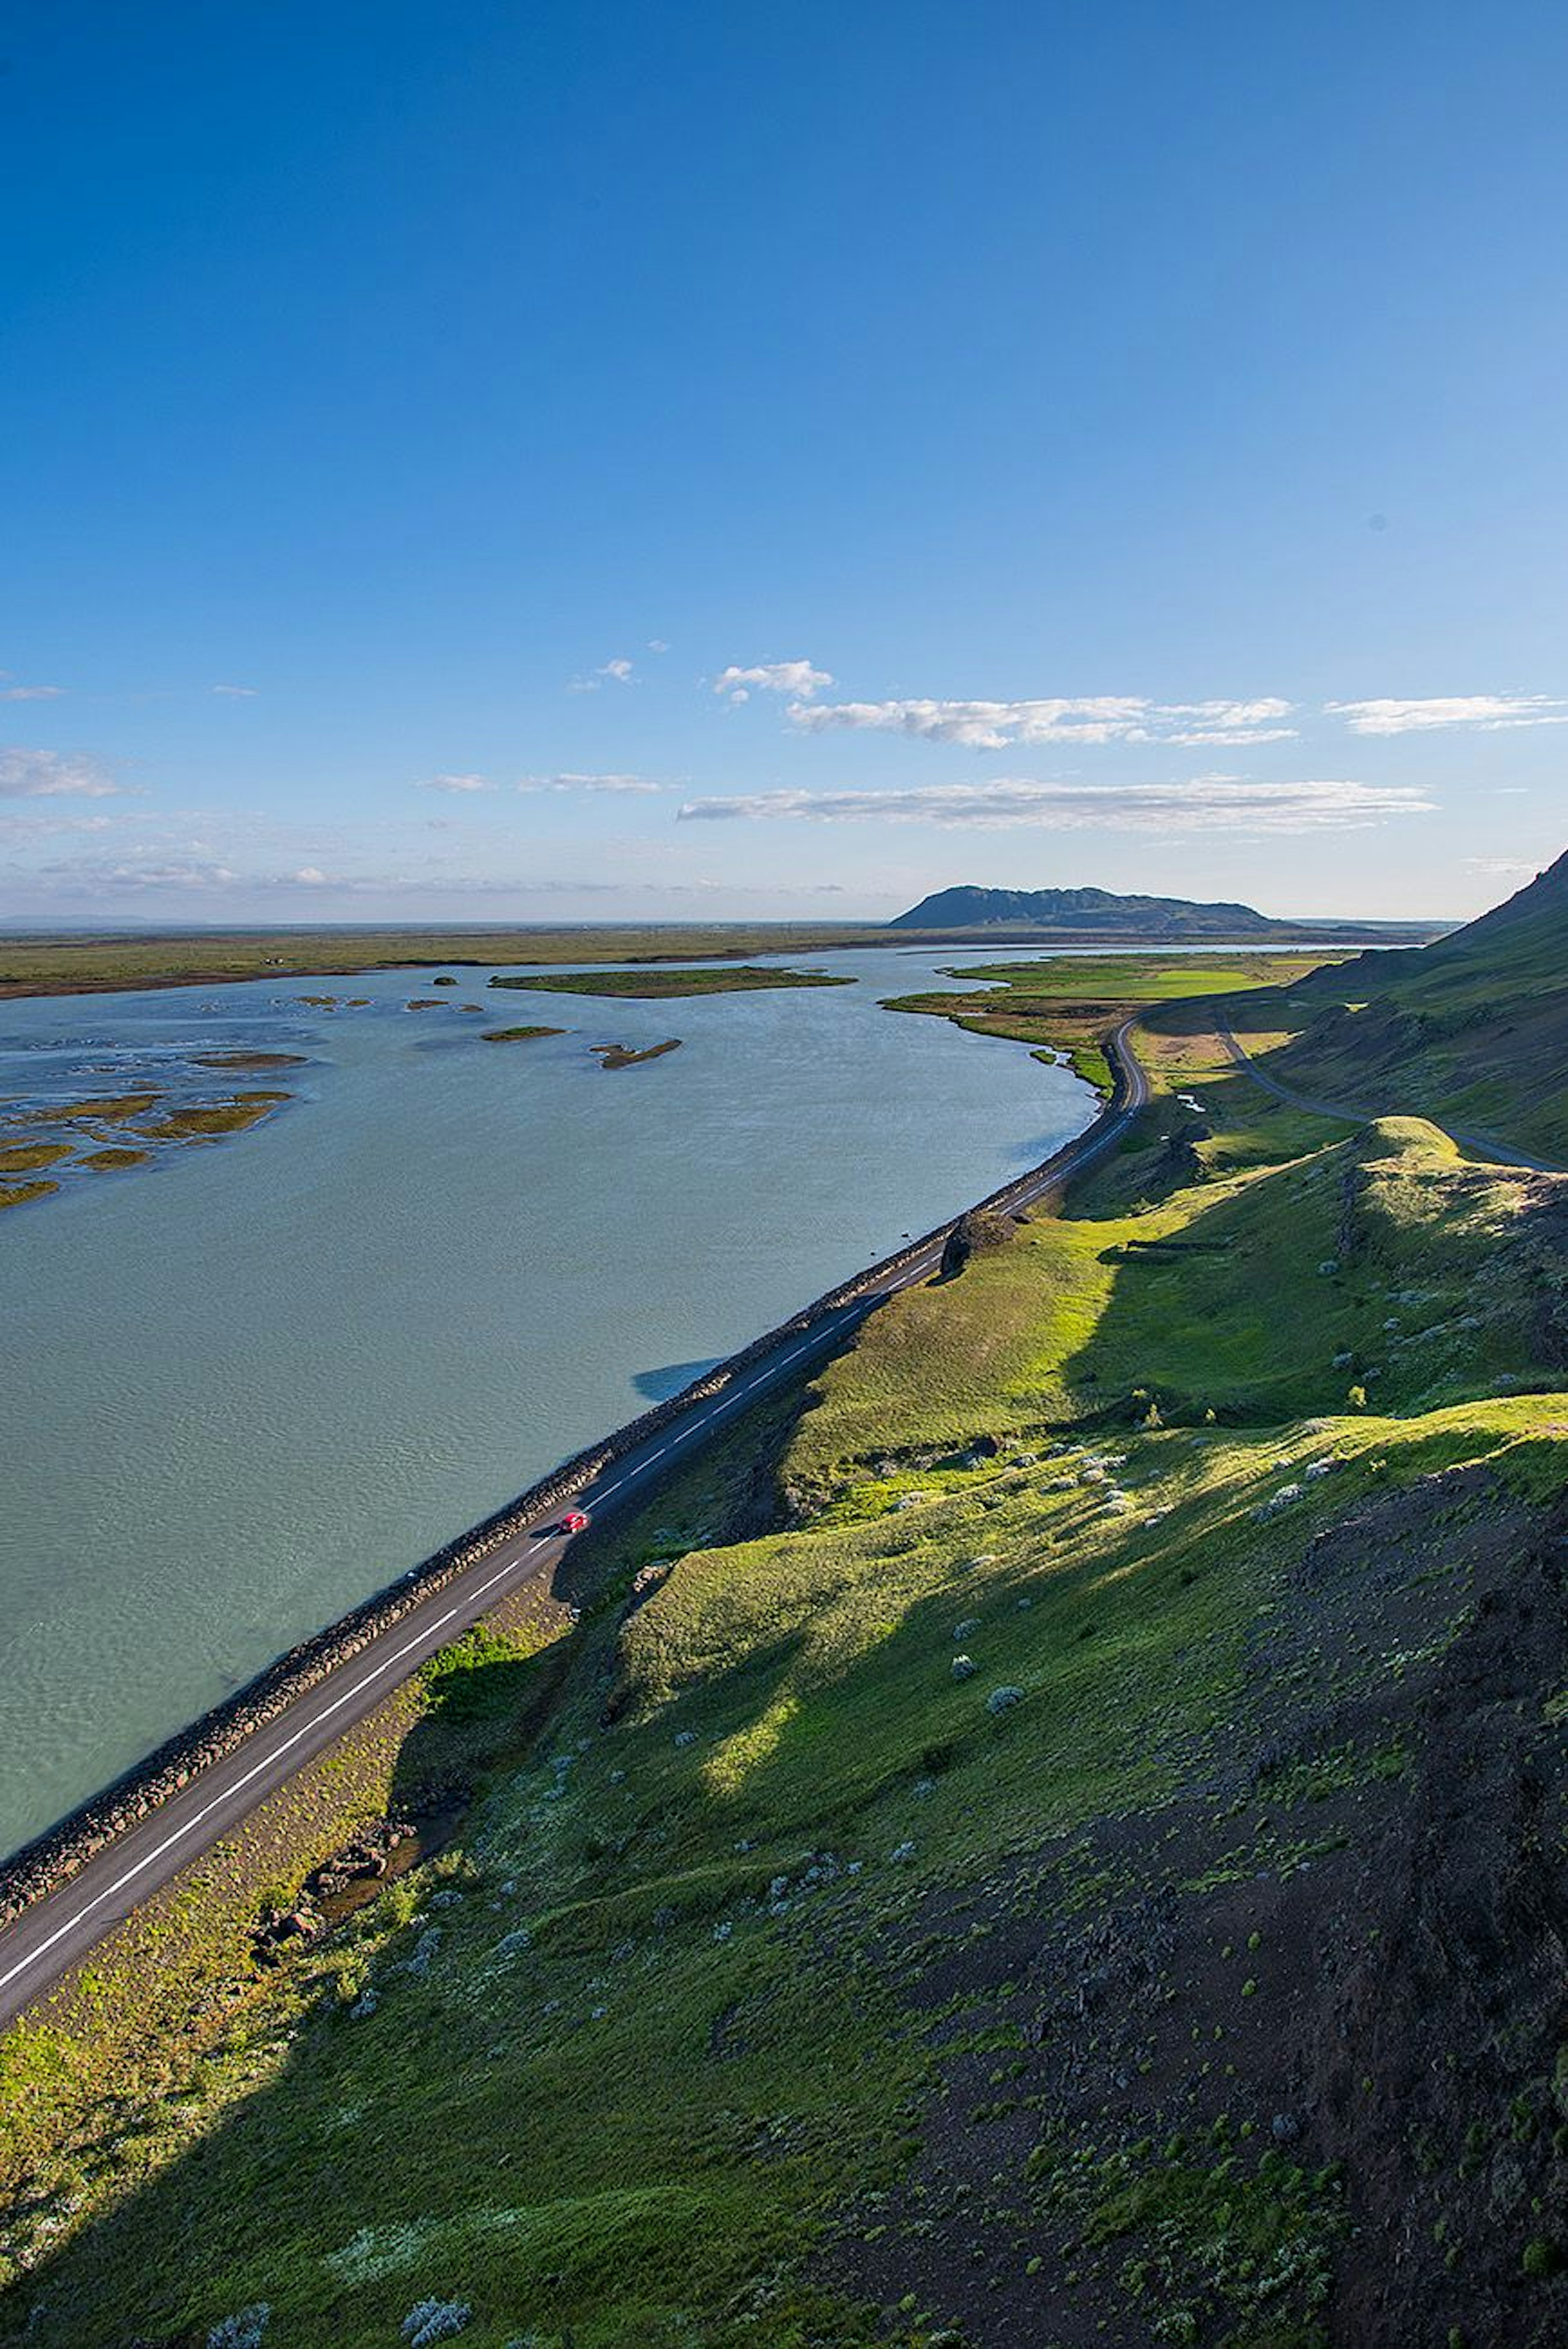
{"x":977,"y":1227}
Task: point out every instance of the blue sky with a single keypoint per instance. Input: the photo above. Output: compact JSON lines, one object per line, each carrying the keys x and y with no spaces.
{"x":645,"y":462}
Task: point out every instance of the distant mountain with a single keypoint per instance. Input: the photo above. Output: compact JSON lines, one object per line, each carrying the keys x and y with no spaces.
{"x":1099,"y":910}
{"x":1473,"y":1027}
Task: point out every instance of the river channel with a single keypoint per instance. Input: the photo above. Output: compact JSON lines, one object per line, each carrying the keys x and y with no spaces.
{"x":247,"y":1385}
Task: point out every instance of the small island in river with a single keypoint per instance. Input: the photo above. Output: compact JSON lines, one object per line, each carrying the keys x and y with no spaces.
{"x":733,"y":979}
{"x":111,"y":1133}
{"x":626,"y":1056}
{"x":249,"y":1060}
{"x":511,"y":1035}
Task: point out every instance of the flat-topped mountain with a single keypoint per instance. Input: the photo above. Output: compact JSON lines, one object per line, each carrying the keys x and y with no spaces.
{"x":1099,"y":910}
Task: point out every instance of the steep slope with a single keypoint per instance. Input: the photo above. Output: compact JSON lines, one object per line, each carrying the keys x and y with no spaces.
{"x":1099,"y":910}
{"x":1091,"y":1873}
{"x":1472,"y":1029}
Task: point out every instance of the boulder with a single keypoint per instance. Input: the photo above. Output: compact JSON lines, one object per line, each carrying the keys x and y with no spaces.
{"x":976,"y":1228}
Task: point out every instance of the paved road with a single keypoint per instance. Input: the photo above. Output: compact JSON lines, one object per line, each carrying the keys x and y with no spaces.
{"x":57,"y":1932}
{"x":1488,"y":1145}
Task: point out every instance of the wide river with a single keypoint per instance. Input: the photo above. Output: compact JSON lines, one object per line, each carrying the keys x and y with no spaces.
{"x":255,"y":1381}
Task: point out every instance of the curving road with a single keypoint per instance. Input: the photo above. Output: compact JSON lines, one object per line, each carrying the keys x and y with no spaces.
{"x":57,"y":1931}
{"x":1486,"y":1144}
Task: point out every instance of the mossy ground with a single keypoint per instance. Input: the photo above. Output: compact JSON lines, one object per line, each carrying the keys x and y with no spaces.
{"x":209,"y":1122}
{"x":121,"y":1132}
{"x":856,"y":1942}
{"x":734,"y":978}
{"x":20,"y":1195}
{"x":26,"y":1158}
{"x":112,"y":1161}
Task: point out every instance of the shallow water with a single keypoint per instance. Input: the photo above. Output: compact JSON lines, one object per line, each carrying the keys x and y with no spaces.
{"x":248,"y":1385}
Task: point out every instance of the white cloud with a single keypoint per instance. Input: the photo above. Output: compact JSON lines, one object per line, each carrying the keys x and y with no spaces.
{"x":15,"y":828}
{"x":30,"y":692}
{"x":455,"y":783}
{"x":1218,"y":803}
{"x":310,"y":876}
{"x":1102,"y":718}
{"x":606,"y":783}
{"x":658,"y":644}
{"x":619,"y":671}
{"x":1503,"y":868}
{"x":797,"y":676}
{"x":112,"y":876}
{"x":1490,"y":711}
{"x":53,"y":774}
{"x":236,"y":692}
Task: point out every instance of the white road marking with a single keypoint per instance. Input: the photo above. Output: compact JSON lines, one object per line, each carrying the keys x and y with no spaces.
{"x":256,"y":1771}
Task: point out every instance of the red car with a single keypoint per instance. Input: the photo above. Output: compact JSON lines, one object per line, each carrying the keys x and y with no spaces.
{"x":575,"y":1521}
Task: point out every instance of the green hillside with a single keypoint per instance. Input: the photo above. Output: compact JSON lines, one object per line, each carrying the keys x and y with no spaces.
{"x":1473,"y":1029}
{"x":1053,"y":1837}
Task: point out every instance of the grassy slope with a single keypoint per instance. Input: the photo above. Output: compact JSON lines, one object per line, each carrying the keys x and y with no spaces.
{"x":1471,"y":1029}
{"x":735,"y":2017}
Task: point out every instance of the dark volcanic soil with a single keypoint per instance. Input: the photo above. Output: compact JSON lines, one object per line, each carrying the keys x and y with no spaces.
{"x":1280,"y":2062}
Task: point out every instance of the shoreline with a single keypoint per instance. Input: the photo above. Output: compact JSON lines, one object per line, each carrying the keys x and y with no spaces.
{"x":52,"y":1858}
{"x":1345,"y":939}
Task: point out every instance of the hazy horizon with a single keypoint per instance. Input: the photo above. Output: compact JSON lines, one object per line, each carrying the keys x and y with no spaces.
{"x":574,"y":465}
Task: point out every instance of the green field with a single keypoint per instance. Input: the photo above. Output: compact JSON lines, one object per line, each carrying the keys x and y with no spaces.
{"x":1068,"y":1008}
{"x":1083,"y":980}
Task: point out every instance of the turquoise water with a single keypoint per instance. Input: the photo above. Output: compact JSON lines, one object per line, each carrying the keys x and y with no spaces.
{"x":247,"y":1386}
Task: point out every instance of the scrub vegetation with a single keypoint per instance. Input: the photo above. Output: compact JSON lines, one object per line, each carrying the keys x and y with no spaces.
{"x":1051,"y":1835}
{"x":117,"y":1133}
{"x":64,"y":965}
{"x":18,"y":1195}
{"x":27,"y":1158}
{"x":32,"y":965}
{"x":657,"y":984}
{"x":207,"y":1122}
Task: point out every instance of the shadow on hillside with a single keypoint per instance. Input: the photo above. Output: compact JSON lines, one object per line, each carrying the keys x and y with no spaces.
{"x":1354,"y":1268}
{"x":486,"y":1711}
{"x":408,"y":2118}
{"x":280,"y":2167}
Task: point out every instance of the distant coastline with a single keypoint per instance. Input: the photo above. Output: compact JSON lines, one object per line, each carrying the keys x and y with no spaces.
{"x":34,"y":963}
